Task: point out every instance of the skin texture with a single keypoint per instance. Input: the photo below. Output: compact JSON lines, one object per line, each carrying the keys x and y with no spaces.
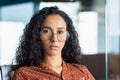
{"x":53,"y":46}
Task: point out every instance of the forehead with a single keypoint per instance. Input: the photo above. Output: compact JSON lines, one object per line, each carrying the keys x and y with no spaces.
{"x":54,"y":21}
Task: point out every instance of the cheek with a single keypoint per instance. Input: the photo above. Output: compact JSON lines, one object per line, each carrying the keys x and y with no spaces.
{"x":62,"y":45}
{"x":44,"y":44}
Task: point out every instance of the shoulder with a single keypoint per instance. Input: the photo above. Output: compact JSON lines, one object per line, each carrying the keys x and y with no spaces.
{"x":23,"y":73}
{"x":78,"y":66}
{"x":24,"y":70}
{"x":82,"y":69}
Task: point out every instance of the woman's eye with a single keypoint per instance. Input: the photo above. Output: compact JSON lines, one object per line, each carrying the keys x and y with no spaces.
{"x":46,"y":31}
{"x":60,"y":32}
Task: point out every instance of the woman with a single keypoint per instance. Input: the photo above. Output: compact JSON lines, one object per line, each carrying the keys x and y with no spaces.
{"x":49,"y":49}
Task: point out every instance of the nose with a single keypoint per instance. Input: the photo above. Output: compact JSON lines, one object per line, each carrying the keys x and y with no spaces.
{"x":54,"y":37}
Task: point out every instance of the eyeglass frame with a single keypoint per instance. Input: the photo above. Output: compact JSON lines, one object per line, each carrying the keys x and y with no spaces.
{"x":55,"y":34}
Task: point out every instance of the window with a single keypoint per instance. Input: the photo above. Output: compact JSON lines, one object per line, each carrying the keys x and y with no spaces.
{"x":88,"y":34}
{"x":13,"y":20}
{"x":9,"y":40}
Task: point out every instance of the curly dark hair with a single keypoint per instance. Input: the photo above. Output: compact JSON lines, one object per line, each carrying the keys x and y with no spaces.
{"x":29,"y":52}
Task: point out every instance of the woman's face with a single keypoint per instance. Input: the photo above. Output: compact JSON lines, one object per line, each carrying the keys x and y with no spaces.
{"x":53,"y":35}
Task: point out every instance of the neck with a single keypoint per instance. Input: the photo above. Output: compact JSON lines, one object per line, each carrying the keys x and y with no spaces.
{"x":52,"y":61}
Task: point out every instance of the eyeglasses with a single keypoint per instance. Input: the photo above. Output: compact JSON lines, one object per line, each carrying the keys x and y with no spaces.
{"x":47,"y":34}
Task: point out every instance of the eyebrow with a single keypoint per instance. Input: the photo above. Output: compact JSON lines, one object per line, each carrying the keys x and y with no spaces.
{"x":60,"y":28}
{"x":45,"y":27}
{"x":50,"y":27}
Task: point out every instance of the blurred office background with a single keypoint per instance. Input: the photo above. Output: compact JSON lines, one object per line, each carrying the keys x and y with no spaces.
{"x":96,"y":21}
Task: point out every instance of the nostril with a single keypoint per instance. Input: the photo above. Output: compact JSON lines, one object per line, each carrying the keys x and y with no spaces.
{"x":54,"y":37}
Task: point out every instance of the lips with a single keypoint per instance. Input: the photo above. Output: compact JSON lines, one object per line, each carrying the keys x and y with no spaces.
{"x":53,"y":47}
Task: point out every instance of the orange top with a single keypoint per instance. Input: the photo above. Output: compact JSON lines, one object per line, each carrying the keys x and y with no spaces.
{"x":69,"y":72}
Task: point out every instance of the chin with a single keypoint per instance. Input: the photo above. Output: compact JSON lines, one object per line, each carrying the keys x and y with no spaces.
{"x":53,"y":53}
